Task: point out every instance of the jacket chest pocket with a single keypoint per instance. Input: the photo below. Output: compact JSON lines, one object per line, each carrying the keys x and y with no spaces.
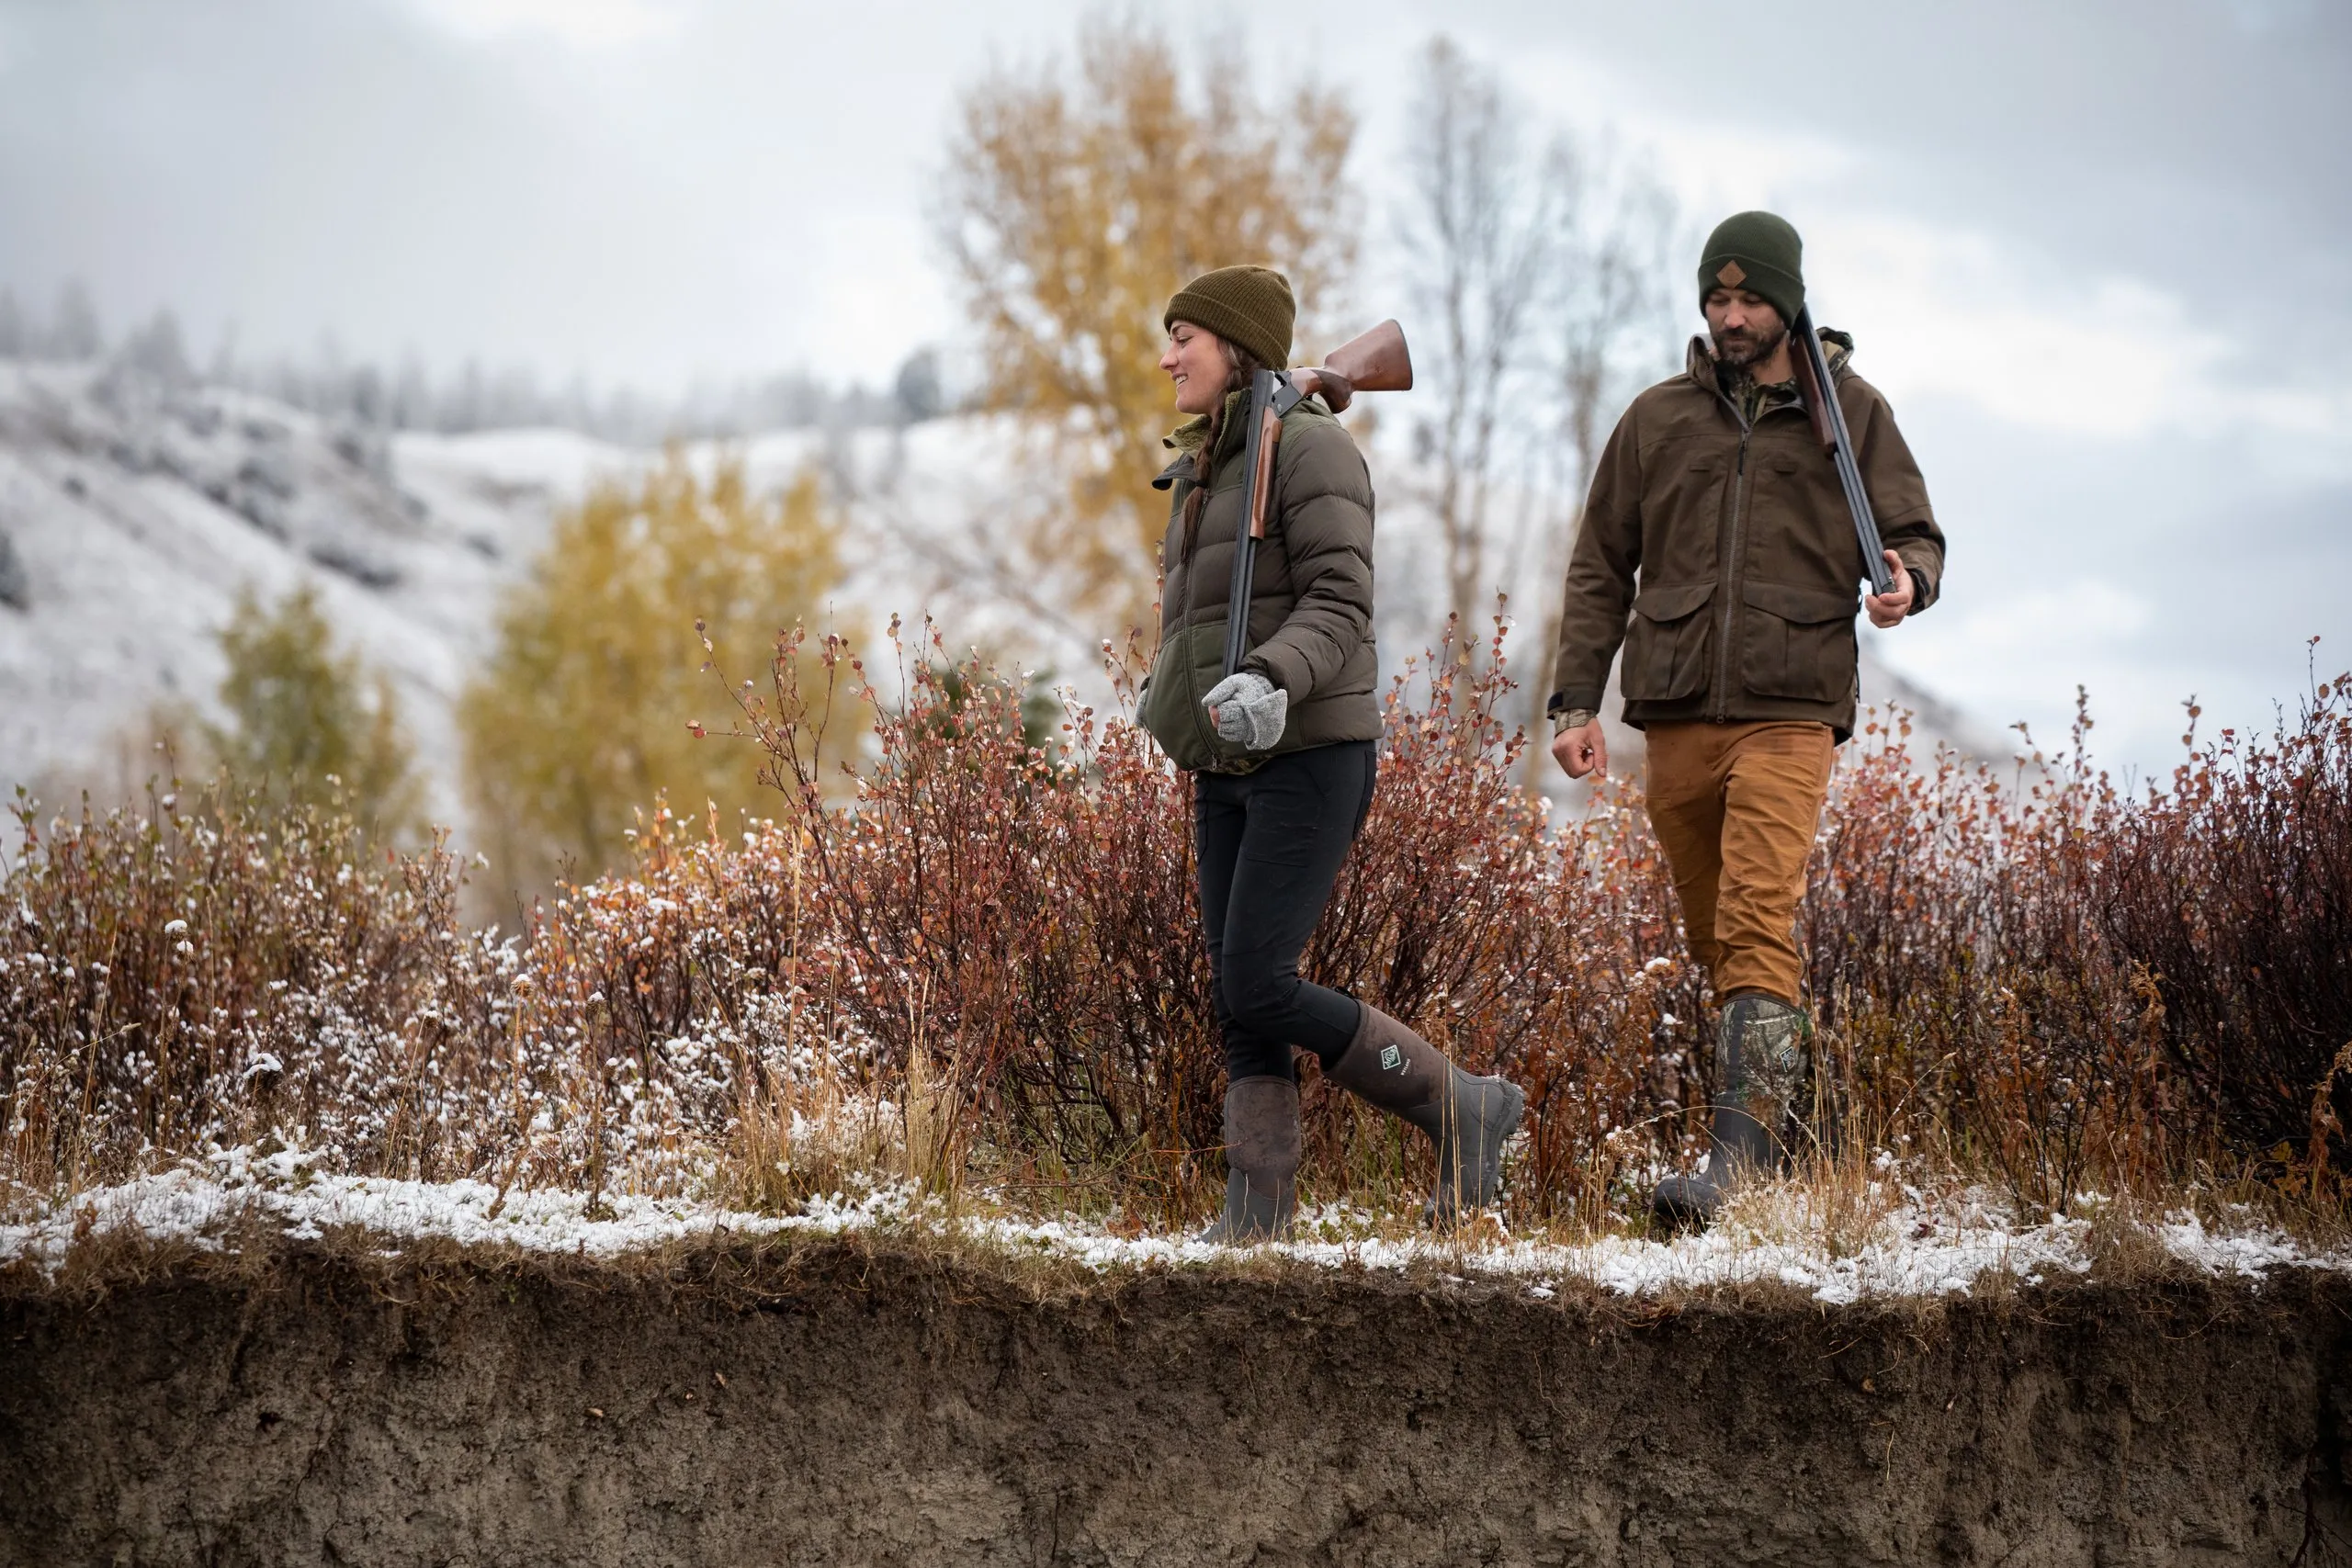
{"x":1682,"y":510}
{"x":1797,"y":642}
{"x":1798,"y":528}
{"x":1665,"y":642}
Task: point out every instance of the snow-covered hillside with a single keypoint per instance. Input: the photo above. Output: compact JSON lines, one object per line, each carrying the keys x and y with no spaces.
{"x":132,"y":513}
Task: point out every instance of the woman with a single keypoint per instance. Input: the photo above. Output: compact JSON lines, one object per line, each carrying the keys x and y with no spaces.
{"x":1283,"y":789}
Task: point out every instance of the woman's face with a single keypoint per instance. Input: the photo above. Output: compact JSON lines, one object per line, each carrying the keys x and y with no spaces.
{"x":1195,"y":362}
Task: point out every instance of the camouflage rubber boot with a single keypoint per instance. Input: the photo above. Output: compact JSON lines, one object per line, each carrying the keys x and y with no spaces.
{"x":1760,"y":1048}
{"x":1468,"y":1117}
{"x":1261,"y":1155}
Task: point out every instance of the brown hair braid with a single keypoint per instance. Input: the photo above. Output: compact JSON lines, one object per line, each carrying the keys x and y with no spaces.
{"x":1240,"y":364}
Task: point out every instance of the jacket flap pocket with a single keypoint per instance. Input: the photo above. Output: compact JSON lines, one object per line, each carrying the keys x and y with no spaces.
{"x":1806,"y":606}
{"x":1672,"y":601}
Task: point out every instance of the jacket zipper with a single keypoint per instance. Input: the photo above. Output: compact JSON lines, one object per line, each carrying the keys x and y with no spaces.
{"x":1728,"y":579}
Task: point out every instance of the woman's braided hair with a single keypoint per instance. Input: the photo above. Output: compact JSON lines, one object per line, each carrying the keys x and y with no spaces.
{"x":1240,"y":364}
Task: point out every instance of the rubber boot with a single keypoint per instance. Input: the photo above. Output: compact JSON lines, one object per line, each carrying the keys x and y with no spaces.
{"x":1261,"y":1155}
{"x":1760,"y":1066}
{"x":1468,"y":1117}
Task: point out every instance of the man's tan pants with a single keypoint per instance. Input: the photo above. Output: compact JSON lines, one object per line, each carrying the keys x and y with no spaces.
{"x":1735,"y":806}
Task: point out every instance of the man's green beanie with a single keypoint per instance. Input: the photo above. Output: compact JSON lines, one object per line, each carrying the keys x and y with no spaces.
{"x":1248,"y":306}
{"x":1758,"y":252}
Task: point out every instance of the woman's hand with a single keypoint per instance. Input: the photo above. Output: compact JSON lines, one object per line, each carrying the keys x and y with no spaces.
{"x":1248,"y":709}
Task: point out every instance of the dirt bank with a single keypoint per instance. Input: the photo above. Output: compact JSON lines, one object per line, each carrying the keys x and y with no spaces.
{"x":843,"y":1407}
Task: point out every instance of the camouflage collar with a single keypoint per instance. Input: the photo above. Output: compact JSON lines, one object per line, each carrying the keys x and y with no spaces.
{"x":1755,"y":399}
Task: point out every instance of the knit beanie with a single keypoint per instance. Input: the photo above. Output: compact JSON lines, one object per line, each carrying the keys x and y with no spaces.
{"x":1248,"y":306}
{"x":1760,"y":253}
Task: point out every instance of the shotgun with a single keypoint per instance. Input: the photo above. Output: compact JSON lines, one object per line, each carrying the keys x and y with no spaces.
{"x":1376,"y":362}
{"x":1829,"y":425}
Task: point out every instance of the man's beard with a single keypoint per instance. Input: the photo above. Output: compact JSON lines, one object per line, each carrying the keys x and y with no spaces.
{"x":1744,"y":349}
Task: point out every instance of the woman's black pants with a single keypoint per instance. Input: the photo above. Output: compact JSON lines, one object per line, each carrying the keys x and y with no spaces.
{"x":1270,"y":844}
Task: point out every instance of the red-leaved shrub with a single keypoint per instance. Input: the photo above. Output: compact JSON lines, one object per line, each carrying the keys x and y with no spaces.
{"x":2037,"y":978}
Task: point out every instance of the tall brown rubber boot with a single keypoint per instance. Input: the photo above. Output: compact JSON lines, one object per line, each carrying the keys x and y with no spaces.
{"x":1261,"y":1155}
{"x":1760,"y":1052}
{"x":1468,"y":1117}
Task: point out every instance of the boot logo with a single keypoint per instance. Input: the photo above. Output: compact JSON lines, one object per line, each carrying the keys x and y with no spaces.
{"x":1392,"y":1060}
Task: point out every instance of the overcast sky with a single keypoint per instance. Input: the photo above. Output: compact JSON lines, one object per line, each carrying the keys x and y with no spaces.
{"x":2093,"y":253}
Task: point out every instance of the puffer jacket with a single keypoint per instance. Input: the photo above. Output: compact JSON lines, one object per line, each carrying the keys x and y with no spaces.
{"x":1311,"y":605}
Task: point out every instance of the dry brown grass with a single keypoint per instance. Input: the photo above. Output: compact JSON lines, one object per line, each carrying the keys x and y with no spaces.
{"x":978,"y":970}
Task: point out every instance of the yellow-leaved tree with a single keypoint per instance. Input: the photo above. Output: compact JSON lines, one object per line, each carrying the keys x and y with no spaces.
{"x":1075,"y":205}
{"x":580,"y":716}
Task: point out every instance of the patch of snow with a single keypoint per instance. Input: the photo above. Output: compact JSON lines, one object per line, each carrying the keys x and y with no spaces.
{"x":1915,"y":1252}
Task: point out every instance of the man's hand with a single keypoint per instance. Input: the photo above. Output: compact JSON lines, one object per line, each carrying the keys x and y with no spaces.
{"x":1887,"y":610}
{"x":1582,"y":750}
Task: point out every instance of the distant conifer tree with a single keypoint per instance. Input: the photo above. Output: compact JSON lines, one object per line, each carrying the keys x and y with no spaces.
{"x":307,"y":723}
{"x":73,"y":332}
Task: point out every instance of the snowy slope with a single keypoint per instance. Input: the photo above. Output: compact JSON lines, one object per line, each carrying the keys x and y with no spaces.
{"x":132,"y":513}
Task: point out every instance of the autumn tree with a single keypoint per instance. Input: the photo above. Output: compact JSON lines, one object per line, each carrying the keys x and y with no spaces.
{"x":307,"y":723}
{"x":1612,"y":327}
{"x":1075,"y":203}
{"x":580,"y":716}
{"x":1542,"y":269}
{"x":1481,"y":243}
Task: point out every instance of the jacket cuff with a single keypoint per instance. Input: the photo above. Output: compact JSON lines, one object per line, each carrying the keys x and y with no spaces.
{"x":1281,"y":665}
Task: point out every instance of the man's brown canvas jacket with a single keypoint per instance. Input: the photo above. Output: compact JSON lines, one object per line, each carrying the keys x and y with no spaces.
{"x":1724,"y":557}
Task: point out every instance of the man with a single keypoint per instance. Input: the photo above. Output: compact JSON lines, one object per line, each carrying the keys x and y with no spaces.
{"x":1717,"y":548}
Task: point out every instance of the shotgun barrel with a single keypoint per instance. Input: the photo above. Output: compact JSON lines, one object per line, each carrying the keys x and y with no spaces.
{"x":1265,"y":430}
{"x":1820,"y":395}
{"x":1377,"y":361}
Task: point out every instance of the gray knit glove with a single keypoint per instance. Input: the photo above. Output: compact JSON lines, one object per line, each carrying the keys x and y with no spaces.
{"x":1248,"y":709}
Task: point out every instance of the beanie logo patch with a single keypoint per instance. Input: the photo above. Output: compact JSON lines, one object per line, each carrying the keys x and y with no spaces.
{"x":1731,"y":276}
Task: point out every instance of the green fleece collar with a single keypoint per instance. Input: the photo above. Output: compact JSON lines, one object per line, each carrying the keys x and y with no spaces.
{"x":1193,"y":434}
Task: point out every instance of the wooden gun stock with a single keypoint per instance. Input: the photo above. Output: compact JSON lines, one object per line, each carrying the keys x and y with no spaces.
{"x":1262,"y":476}
{"x":1376,"y":361}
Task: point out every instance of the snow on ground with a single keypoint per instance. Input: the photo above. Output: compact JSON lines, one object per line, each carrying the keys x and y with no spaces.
{"x":1919,"y":1250}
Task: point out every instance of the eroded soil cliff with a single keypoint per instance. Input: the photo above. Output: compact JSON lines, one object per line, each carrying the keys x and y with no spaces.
{"x":842,"y":1406}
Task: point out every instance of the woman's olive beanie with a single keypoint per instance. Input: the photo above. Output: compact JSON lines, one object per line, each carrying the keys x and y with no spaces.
{"x":1758,"y":252}
{"x":1247,"y":306}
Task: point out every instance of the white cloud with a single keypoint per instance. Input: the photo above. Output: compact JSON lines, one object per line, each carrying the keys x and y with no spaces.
{"x":583,"y":24}
{"x":1714,"y":166}
{"x":1947,"y":312}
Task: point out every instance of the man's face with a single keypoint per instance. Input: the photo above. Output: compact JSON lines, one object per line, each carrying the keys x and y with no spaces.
{"x":1745,"y":326}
